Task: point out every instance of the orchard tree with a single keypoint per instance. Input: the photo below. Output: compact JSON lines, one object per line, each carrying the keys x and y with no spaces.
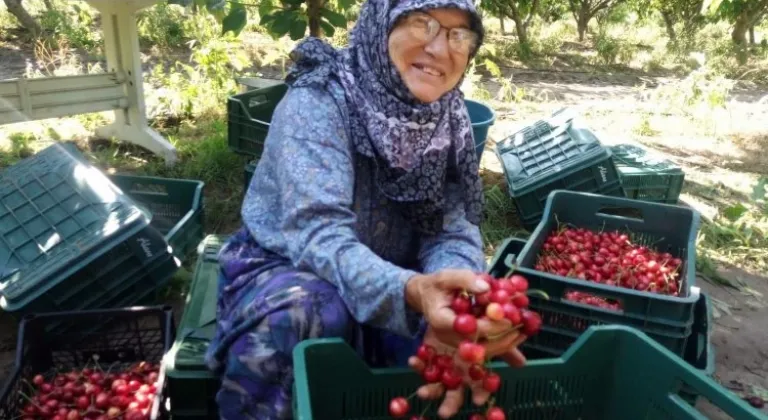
{"x":520,"y":11}
{"x":279,"y":17}
{"x":688,"y":15}
{"x":585,"y":10}
{"x":743,"y":14}
{"x":16,"y":8}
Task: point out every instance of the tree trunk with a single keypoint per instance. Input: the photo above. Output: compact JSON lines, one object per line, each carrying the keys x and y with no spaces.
{"x":313,"y":17}
{"x":740,"y":28}
{"x":25,"y":19}
{"x":582,"y":24}
{"x":501,"y":23}
{"x":522,"y":30}
{"x":48,"y":4}
{"x":752,"y":35}
{"x":669,"y":23}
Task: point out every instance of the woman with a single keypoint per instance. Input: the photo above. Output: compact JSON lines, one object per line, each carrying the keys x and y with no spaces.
{"x":362,"y":215}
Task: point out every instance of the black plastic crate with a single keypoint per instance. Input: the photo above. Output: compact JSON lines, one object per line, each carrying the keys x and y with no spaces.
{"x":552,"y":154}
{"x":248,"y":171}
{"x":249,"y":116}
{"x":128,"y":335}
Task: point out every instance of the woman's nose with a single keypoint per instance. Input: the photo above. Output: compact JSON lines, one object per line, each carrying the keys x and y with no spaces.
{"x":438,"y":47}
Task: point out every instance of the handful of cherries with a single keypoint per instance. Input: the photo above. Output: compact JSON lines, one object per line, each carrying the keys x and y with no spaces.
{"x":507,"y":298}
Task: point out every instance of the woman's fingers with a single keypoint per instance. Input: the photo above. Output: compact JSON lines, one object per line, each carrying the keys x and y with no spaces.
{"x":416,"y":364}
{"x":514,"y":358}
{"x":430,"y":391}
{"x":489,"y":328}
{"x":503,"y":344}
{"x":479,"y":394}
{"x":454,"y":399}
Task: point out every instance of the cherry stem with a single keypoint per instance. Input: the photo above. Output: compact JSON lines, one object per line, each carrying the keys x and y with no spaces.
{"x":429,"y":404}
{"x":502,"y":334}
{"x":25,"y":396}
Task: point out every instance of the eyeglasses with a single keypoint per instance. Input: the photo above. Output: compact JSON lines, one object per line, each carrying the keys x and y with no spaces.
{"x":425,"y":28}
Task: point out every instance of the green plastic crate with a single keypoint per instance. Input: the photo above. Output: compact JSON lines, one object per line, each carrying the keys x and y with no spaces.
{"x":668,"y":228}
{"x":176,"y":206}
{"x":558,"y":153}
{"x":191,"y":386}
{"x":249,"y":115}
{"x":699,"y":351}
{"x":611,"y":372}
{"x":647,"y":177}
{"x":67,"y":234}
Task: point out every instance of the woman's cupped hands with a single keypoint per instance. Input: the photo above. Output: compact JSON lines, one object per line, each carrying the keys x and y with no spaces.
{"x":465,"y":346}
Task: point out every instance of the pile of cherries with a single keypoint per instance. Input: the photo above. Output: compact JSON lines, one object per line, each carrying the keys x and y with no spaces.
{"x":609,"y":258}
{"x":507,"y":298}
{"x":93,"y":394}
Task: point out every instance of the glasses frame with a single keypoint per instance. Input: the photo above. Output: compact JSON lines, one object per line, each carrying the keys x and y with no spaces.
{"x":434,"y":28}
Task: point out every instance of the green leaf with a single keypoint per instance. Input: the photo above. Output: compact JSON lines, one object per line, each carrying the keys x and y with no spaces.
{"x":265,"y":8}
{"x":735,"y":211}
{"x":214,"y":5}
{"x":492,"y":67}
{"x":346,"y":4}
{"x":235,"y":20}
{"x":294,"y":3}
{"x":335,"y":18}
{"x":298,"y":29}
{"x":327,"y":28}
{"x":281,"y":24}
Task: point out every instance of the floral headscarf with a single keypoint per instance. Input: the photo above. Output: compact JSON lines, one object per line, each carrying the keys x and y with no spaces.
{"x":415,"y":145}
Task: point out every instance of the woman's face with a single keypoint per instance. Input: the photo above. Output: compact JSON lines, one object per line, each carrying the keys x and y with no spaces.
{"x":431,"y":51}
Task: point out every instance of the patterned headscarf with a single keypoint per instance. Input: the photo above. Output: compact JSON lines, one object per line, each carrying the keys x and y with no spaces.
{"x":415,"y":146}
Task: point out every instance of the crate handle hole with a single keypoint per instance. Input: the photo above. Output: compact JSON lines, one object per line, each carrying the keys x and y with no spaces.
{"x":257,"y":100}
{"x":622,"y":213}
{"x":591,"y":300}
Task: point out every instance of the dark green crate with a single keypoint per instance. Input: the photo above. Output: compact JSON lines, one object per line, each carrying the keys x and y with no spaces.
{"x":647,"y":177}
{"x":191,"y":386}
{"x":699,"y":351}
{"x":611,"y":372}
{"x":667,"y":228}
{"x":249,"y":115}
{"x":558,"y":153}
{"x":176,"y":206}
{"x":63,"y":227}
{"x":248,"y":171}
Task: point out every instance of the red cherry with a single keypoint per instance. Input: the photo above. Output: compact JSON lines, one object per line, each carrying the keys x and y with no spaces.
{"x":500,"y":296}
{"x":451,"y":378}
{"x":399,"y":407}
{"x":461,"y":305}
{"x":432,"y":373}
{"x":492,"y":382}
{"x":471,"y":352}
{"x":465,"y":324}
{"x":520,"y":300}
{"x":476,"y":372}
{"x":512,"y":313}
{"x":444,"y":361}
{"x":477,"y":416}
{"x":494,"y":311}
{"x":531,"y":322}
{"x":38,"y":380}
{"x":495,"y":413}
{"x":425,"y":353}
{"x":520,"y":283}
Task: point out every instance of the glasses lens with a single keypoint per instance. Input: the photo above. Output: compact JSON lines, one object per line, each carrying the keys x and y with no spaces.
{"x":423,"y":26}
{"x":462,"y":40}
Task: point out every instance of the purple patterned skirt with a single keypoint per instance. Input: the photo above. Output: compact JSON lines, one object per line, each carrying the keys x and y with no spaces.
{"x":265,"y":308}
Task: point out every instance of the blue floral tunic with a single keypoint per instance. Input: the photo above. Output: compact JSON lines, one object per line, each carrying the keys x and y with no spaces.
{"x":323,"y":254}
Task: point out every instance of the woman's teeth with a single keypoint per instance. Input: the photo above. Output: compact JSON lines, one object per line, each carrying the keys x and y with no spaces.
{"x":429,"y":70}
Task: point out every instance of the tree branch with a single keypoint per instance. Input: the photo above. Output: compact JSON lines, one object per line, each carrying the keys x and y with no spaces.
{"x":532,"y":12}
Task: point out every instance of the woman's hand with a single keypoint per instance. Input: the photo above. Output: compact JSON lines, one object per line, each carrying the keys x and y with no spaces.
{"x":431,"y":295}
{"x":504,"y":347}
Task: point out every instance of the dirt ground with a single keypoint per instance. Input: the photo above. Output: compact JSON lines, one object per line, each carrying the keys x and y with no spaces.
{"x":727,"y":154}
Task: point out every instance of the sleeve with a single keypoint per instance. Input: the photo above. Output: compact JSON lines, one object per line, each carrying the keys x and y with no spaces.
{"x":313,"y":177}
{"x":458,"y":246}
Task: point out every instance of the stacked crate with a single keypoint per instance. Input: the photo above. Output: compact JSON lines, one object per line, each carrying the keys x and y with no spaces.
{"x":556,"y":153}
{"x":645,"y":176}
